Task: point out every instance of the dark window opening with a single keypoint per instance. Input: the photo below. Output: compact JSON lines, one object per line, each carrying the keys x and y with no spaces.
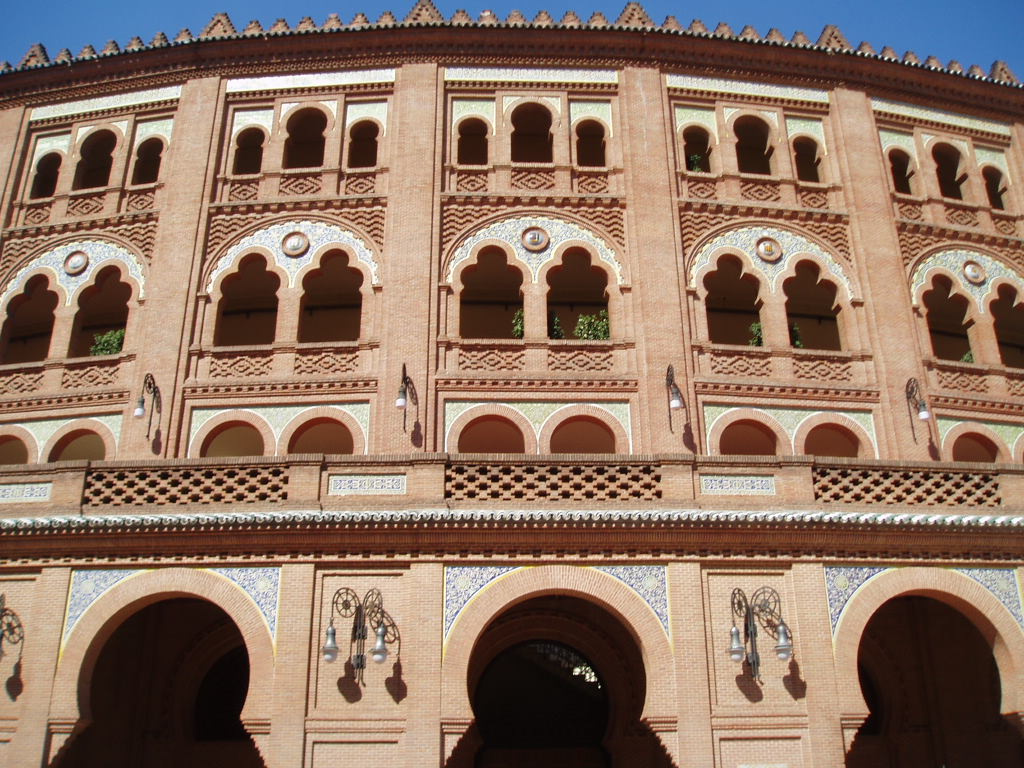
{"x":362,"y":147}
{"x":531,"y":134}
{"x":805,"y":152}
{"x":590,"y":149}
{"x":44,"y":183}
{"x":899,"y":167}
{"x":147,"y":161}
{"x":96,"y":160}
{"x":753,"y":150}
{"x":994,"y":187}
{"x":696,"y":148}
{"x":248,"y":152}
{"x":304,"y":147}
{"x":947,"y":170}
{"x":472,"y":149}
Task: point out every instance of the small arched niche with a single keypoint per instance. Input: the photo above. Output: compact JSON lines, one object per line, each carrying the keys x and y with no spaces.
{"x":233,"y":439}
{"x":732,"y":305}
{"x":96,"y":160}
{"x":901,"y":171}
{"x":829,"y":440}
{"x":79,"y":445}
{"x":811,"y":309}
{"x":807,"y":159}
{"x":362,"y":144}
{"x":491,"y":299}
{"x":324,"y":435}
{"x":147,"y":161}
{"x":248,"y":152}
{"x":582,"y":434}
{"x":946,"y":315}
{"x":947,"y":171}
{"x":102,"y":310}
{"x":995,"y":187}
{"x":28,"y":327}
{"x":491,"y":434}
{"x":976,"y":448}
{"x":1008,"y":315}
{"x":44,"y":181}
{"x":697,"y":149}
{"x":13,"y":450}
{"x":304,"y":147}
{"x":753,"y":146}
{"x":590,"y":144}
{"x":472,"y":142}
{"x":747,"y":438}
{"x":531,"y":134}
{"x":332,"y":301}
{"x":577,"y":298}
{"x":247,"y":310}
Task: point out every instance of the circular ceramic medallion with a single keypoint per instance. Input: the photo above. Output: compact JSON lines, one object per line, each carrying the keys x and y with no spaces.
{"x":535,"y":239}
{"x":295,"y":244}
{"x":974,"y":272}
{"x":768,"y":249}
{"x":76,"y":262}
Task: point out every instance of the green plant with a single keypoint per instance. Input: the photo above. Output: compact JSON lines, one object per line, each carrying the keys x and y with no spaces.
{"x":794,"y":336}
{"x":518,"y":324}
{"x":756,"y":335}
{"x":697,"y":162}
{"x":968,"y":357}
{"x":593,"y":326}
{"x":109,"y":343}
{"x":555,"y":327}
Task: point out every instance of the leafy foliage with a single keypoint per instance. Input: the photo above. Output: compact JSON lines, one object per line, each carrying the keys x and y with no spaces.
{"x":518,"y":324}
{"x":756,"y":335}
{"x":593,"y":326}
{"x":555,"y":327}
{"x":109,"y":343}
{"x":794,"y":336}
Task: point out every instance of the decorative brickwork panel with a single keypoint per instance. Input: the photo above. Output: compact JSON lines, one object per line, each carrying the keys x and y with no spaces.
{"x":324,"y":363}
{"x":963,"y":217}
{"x":964,"y":381}
{"x":306,"y":184}
{"x":591,"y":183}
{"x":139,"y":230}
{"x":241,"y":191}
{"x":700,"y":188}
{"x":813,"y":198}
{"x":1004,"y":225}
{"x":240,"y":366}
{"x":194,"y":485}
{"x":85,"y":205}
{"x":491,"y":359}
{"x":38,"y":214}
{"x":1015,"y":385}
{"x":471,"y":181}
{"x":100,"y":375}
{"x":368,"y":219}
{"x":740,"y":365}
{"x":528,"y":178}
{"x":822,"y":369}
{"x":580,"y":360}
{"x":20,"y":383}
{"x":911,"y":211}
{"x":361,"y":184}
{"x":552,"y":482}
{"x":144,"y":200}
{"x":457,"y":219}
{"x":855,"y":485}
{"x":762,"y":191}
{"x":695,"y":225}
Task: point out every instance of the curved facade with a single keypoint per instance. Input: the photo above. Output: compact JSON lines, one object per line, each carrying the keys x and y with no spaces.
{"x":700,"y":343}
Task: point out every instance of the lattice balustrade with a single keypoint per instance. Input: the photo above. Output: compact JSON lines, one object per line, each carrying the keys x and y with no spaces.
{"x":491,"y":359}
{"x":193,"y":485}
{"x":304,"y":184}
{"x":580,"y":360}
{"x":530,"y":178}
{"x":240,"y":366}
{"x":740,"y":365}
{"x":87,"y":376}
{"x":762,"y":191}
{"x":142,"y":200}
{"x":813,"y":198}
{"x":552,"y":482}
{"x":241,"y":191}
{"x":38,"y":214}
{"x":324,"y":363}
{"x":21,"y":382}
{"x":963,"y":381}
{"x":471,"y":181}
{"x":822,"y":369}
{"x":860,"y":485}
{"x":963,"y":217}
{"x":591,"y":183}
{"x":85,"y":205}
{"x":911,"y":211}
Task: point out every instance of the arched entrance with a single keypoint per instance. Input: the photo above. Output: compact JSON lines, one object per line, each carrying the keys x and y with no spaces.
{"x":167,"y":689}
{"x":933,"y":688}
{"x":557,"y":681}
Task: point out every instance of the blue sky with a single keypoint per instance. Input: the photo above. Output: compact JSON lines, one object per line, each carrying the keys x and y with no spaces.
{"x":971,"y":34}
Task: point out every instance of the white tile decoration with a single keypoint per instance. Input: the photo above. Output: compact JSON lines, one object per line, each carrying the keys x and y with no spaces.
{"x":59,"y":143}
{"x":904,"y":141}
{"x":953,"y":261}
{"x":993,"y":157}
{"x":145,"y":129}
{"x":120,"y":125}
{"x":366,"y":485}
{"x":537,"y":413}
{"x":462,"y":583}
{"x":650,"y":582}
{"x":131,"y":99}
{"x":790,"y":419}
{"x":279,"y":417}
{"x":900,"y":109}
{"x":262,"y":585}
{"x":599,"y":110}
{"x":962,"y":146}
{"x":529,"y":75}
{"x":320,"y":236}
{"x":806,"y":126}
{"x":361,"y":110}
{"x":841,"y":582}
{"x":85,"y":589}
{"x":101,"y":253}
{"x":554,"y":102}
{"x":746,"y":88}
{"x":768,"y":115}
{"x":18,"y":493}
{"x":737,"y":485}
{"x":319,"y":80}
{"x":1011,"y":434}
{"x":1002,"y":583}
{"x":685,"y":115}
{"x":510,"y":231}
{"x":744,"y":240}
{"x":43,"y":429}
{"x":484,"y":108}
{"x":245,"y":118}
{"x":288,"y":106}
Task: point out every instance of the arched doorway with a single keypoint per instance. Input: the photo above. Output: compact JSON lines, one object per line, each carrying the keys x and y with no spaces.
{"x":558,"y":682}
{"x":931,"y":682}
{"x":167,"y":689}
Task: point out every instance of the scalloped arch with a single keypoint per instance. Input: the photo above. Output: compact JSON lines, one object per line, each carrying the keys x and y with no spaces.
{"x":952,"y":260}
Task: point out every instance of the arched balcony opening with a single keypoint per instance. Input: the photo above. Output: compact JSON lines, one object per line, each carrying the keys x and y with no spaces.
{"x":747,"y":438}
{"x":28,"y":327}
{"x":753,"y":146}
{"x":332,"y":304}
{"x":976,"y":448}
{"x":362,"y":145}
{"x":807,"y":160}
{"x":578,"y":298}
{"x":828,"y":440}
{"x":531,"y":134}
{"x":13,"y":450}
{"x":946,"y":314}
{"x":1008,"y":315}
{"x":95,"y":161}
{"x":102,"y":316}
{"x":590,"y":144}
{"x":811,"y":309}
{"x":697,"y":149}
{"x":234,"y":439}
{"x":147,"y":161}
{"x":947,"y":171}
{"x":248,"y":152}
{"x":995,"y":187}
{"x":247,"y":311}
{"x":491,"y":434}
{"x":733,"y":309}
{"x":901,"y":171}
{"x":491,"y":300}
{"x":472,"y":145}
{"x":582,"y":434}
{"x":304,"y":147}
{"x":323,"y":435}
{"x":44,"y":182}
{"x":80,"y":445}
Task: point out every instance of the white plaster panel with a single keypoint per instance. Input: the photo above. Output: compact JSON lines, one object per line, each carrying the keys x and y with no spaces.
{"x":43,"y":429}
{"x":278,"y":417}
{"x":244,"y":118}
{"x":599,"y":110}
{"x":953,"y":261}
{"x":106,"y":102}
{"x":791,"y":419}
{"x":538,"y":413}
{"x":744,"y":240}
{"x":806,"y":126}
{"x":552,"y":101}
{"x":162,"y":128}
{"x":484,"y":108}
{"x":100,"y":253}
{"x":768,"y":115}
{"x":361,"y":110}
{"x":904,"y":141}
{"x":44,"y":144}
{"x":939,"y":116}
{"x":510,"y":231}
{"x":288,"y":106}
{"x":961,"y":145}
{"x":529,"y":75}
{"x":319,"y":234}
{"x":746,"y":88}
{"x":689,"y":115}
{"x":994,"y":157}
{"x":318,"y":80}
{"x":1011,"y":434}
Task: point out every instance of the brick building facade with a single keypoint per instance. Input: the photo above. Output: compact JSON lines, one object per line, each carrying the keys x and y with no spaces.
{"x":697,"y":336}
